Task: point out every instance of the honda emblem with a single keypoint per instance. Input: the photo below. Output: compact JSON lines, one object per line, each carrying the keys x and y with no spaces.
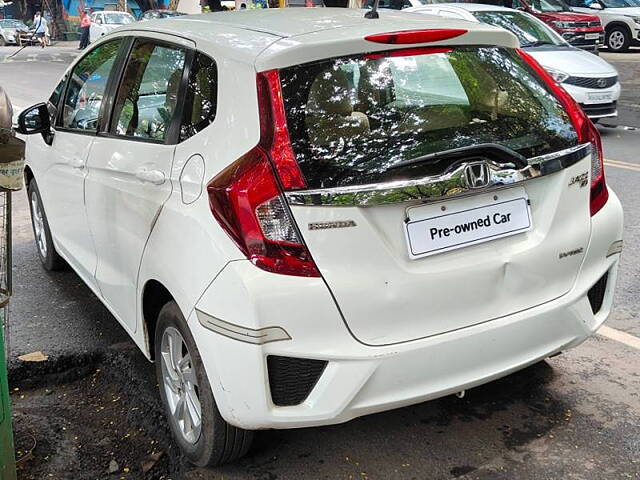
{"x":477,"y":174}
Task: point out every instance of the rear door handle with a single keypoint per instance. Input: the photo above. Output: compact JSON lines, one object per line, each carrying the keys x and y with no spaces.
{"x":146,"y":175}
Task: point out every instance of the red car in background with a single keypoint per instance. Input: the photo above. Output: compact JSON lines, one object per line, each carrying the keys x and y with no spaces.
{"x":579,"y":29}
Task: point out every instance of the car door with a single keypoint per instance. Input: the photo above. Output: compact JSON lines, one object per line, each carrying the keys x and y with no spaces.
{"x":61,"y":171}
{"x":96,"y":29}
{"x":130,"y":166}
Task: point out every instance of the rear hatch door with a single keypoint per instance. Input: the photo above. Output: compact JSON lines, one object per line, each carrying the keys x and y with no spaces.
{"x":444,"y":187}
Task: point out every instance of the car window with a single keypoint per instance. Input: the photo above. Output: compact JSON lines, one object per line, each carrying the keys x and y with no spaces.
{"x":148,"y":95}
{"x":57,"y":92}
{"x":87,"y":85}
{"x":363,"y":119}
{"x":530,"y":31}
{"x":550,"y":5}
{"x":201,"y":99}
{"x":118,"y":18}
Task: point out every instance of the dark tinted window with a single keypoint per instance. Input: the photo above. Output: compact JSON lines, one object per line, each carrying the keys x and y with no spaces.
{"x":148,"y":94}
{"x":57,"y":93}
{"x":81,"y":108}
{"x":355,"y":120}
{"x":202,"y":96}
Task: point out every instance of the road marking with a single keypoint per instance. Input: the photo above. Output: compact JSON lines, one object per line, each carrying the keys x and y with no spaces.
{"x":619,"y":336}
{"x":618,"y":164}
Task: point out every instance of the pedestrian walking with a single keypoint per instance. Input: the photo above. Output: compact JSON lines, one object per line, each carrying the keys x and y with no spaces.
{"x":85,"y":26}
{"x":40,"y":23}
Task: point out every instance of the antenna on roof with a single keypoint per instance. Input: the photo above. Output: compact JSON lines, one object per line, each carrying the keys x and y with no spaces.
{"x":373,"y":13}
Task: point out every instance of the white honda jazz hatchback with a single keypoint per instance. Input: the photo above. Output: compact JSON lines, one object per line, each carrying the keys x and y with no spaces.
{"x":589,"y":79}
{"x":306,"y":216}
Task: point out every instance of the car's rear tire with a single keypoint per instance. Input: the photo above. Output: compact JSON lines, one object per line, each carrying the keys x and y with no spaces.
{"x":618,"y":39}
{"x":49,"y":257}
{"x":183,"y":381}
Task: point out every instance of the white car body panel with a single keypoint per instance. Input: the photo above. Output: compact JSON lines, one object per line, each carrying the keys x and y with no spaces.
{"x":361,"y":379}
{"x":61,"y":168}
{"x":159,"y":235}
{"x":413,"y":298}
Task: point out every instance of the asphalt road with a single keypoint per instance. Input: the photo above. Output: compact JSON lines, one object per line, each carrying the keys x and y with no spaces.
{"x":575,"y":417}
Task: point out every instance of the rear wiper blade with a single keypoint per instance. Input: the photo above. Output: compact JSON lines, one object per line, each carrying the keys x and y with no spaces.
{"x":493,"y":151}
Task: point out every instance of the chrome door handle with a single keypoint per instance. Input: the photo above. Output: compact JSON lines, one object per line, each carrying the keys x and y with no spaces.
{"x":150,"y":176}
{"x":76,"y":162}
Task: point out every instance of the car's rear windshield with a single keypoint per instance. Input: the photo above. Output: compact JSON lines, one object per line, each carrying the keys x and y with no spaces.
{"x":358,"y":120}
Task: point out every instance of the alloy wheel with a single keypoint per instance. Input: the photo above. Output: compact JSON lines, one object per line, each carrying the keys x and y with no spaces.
{"x":616,"y":40}
{"x":38,"y":225}
{"x":181,"y":385}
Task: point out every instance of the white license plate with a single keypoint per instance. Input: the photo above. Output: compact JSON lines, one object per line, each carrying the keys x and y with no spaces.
{"x":597,"y":97}
{"x":428,"y":235}
{"x":591,"y":36}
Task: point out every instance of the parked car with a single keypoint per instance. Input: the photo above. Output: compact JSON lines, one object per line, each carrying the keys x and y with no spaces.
{"x":104,"y":22}
{"x":620,"y":18}
{"x":328,"y":216}
{"x":159,"y":13}
{"x":590,"y":80}
{"x":9,"y":31}
{"x":579,"y":29}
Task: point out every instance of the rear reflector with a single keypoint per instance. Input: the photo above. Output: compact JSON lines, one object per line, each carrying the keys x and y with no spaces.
{"x":407,"y":37}
{"x":586,"y":130}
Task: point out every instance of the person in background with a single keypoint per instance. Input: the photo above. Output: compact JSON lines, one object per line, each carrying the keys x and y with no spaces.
{"x":40,"y":25}
{"x":85,"y":25}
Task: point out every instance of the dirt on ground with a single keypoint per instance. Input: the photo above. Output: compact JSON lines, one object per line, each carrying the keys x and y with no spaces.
{"x":82,"y":424}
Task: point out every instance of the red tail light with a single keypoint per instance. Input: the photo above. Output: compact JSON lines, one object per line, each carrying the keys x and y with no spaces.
{"x":247,"y":200}
{"x":407,"y":37}
{"x":586,"y":130}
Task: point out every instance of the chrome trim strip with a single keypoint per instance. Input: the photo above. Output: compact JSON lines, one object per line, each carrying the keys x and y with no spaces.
{"x":258,"y":336}
{"x":449,"y":184}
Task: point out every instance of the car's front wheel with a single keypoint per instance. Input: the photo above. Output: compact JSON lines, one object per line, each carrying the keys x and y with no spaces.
{"x":49,"y":257}
{"x":205,"y":438}
{"x":618,"y":39}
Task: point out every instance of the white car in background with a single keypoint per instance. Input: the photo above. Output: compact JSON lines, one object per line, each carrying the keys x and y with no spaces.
{"x":620,"y":19}
{"x":590,"y":80}
{"x":104,"y":22}
{"x":9,"y":31}
{"x":306,"y":216}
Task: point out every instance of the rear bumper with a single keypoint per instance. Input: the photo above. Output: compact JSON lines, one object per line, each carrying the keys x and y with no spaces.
{"x":577,"y":39}
{"x":605,"y":109}
{"x":358,"y":379}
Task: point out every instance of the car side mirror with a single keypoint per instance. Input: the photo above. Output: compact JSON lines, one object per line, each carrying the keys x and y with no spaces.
{"x":595,"y":6}
{"x":36,"y":119}
{"x":98,"y":21}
